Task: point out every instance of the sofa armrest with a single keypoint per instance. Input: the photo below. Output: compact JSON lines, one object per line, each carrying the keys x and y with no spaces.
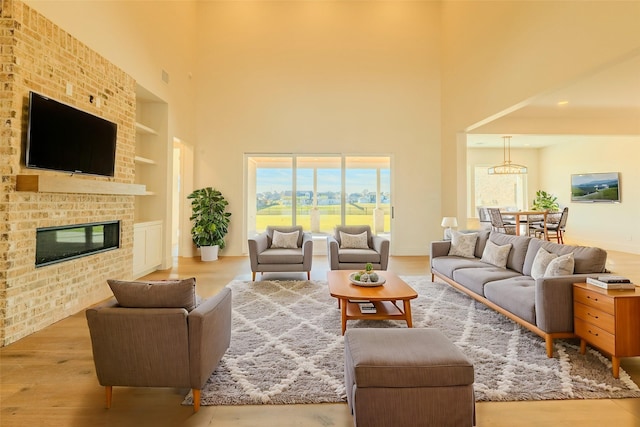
{"x":554,"y":302}
{"x":332,"y":253}
{"x":439,"y":248}
{"x":381,"y":245}
{"x":307,"y":251}
{"x":257,"y":245}
{"x":209,"y":336}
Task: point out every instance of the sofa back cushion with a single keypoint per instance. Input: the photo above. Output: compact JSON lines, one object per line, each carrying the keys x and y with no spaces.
{"x":483,"y":236}
{"x":518,"y":252}
{"x":178,"y":293}
{"x":586,"y":259}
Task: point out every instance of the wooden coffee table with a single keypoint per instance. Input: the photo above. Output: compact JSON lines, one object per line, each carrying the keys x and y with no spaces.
{"x":384,"y":297}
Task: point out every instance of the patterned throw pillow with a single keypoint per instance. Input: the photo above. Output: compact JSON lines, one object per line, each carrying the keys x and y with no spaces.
{"x":285,"y":240}
{"x":156,"y":293}
{"x":561,"y":266}
{"x":495,"y":254}
{"x":353,"y":241}
{"x":540,"y":263}
{"x":462,"y":244}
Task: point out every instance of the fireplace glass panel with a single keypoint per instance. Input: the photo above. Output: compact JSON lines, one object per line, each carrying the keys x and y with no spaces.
{"x":57,"y":244}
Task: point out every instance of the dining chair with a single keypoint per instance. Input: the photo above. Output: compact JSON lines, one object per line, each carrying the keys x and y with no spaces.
{"x":498,"y":224}
{"x":556,"y":229}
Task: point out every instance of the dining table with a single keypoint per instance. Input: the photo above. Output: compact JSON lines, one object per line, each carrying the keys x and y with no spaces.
{"x":526,"y":214}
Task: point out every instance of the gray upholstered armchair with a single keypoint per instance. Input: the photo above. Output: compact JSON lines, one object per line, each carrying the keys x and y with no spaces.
{"x":281,"y":249}
{"x":348,"y":249}
{"x":154,"y":335}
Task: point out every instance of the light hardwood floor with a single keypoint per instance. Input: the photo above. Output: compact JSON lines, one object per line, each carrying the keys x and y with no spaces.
{"x":48,"y":378}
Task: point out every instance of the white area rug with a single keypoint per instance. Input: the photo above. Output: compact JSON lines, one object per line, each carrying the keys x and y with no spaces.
{"x":286,"y":347}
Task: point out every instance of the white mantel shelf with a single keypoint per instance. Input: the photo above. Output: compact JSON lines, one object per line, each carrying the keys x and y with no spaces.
{"x":69,"y":184}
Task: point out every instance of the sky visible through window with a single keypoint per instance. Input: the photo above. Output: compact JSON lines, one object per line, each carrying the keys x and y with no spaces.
{"x":281,"y":179}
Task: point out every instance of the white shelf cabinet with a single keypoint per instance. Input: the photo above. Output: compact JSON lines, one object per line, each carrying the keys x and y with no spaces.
{"x":152,"y":247}
{"x":147,"y":247}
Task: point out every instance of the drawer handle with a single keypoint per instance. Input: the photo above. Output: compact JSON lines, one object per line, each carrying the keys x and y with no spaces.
{"x":593,"y":333}
{"x":595,"y":299}
{"x":595,"y":317}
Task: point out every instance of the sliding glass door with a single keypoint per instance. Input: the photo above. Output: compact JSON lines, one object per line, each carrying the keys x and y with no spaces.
{"x":318,"y":192}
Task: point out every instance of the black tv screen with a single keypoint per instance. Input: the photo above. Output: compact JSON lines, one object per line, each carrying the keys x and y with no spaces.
{"x":595,"y":187}
{"x":63,"y":138}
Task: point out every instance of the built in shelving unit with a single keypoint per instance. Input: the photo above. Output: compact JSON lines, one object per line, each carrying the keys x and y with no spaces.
{"x":151,"y":166}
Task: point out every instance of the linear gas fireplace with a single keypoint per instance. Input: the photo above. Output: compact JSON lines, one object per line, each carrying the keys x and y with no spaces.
{"x":57,"y":244}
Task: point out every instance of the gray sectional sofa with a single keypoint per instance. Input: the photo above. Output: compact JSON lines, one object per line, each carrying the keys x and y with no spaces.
{"x":543,"y":305}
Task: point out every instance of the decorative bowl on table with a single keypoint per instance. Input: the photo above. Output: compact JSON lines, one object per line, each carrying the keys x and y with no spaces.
{"x":370,"y":283}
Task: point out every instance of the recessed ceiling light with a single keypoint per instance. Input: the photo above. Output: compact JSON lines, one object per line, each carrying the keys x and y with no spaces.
{"x":560,"y":103}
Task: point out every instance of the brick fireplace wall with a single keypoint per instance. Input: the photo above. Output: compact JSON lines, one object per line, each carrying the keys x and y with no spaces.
{"x":37,"y":55}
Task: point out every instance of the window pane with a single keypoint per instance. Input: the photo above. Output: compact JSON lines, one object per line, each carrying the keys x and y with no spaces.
{"x":502,"y":191}
{"x":367,"y":186}
{"x":274,"y":190}
{"x":321,"y":178}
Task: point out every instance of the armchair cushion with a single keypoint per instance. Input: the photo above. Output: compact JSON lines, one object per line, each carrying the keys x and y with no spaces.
{"x":156,"y":294}
{"x":285,"y":240}
{"x":354,"y":241}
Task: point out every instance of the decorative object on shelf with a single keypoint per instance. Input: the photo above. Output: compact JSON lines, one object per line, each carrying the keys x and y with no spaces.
{"x":545,"y":202}
{"x":448,"y":222}
{"x":507,"y":167}
{"x":362,"y":278}
{"x":210,"y":221}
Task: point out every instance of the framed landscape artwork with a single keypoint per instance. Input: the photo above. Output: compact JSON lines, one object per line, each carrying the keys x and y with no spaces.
{"x":595,"y":187}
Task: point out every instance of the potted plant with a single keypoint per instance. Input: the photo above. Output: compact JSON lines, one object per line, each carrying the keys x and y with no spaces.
{"x":545,"y":202}
{"x":210,"y":221}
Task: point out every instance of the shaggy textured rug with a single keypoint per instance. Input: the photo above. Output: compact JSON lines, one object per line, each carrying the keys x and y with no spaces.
{"x":286,"y":347}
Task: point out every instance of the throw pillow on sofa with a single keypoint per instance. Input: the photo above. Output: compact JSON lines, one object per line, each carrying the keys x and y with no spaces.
{"x":495,"y":254}
{"x":462,"y":244}
{"x":541,"y":262}
{"x":561,"y":266}
{"x":353,"y":241}
{"x":285,"y":240}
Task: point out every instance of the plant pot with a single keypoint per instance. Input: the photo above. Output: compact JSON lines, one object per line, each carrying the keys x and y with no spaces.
{"x":209,"y":253}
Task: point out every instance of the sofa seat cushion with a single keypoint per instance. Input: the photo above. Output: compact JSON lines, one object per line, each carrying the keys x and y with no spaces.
{"x":446,"y":265}
{"x":281,"y":256}
{"x":517,"y":295}
{"x":475,"y":279}
{"x":358,"y":256}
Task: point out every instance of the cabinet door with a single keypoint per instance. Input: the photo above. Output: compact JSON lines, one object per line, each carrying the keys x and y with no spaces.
{"x":139,"y":249}
{"x":153,"y":243}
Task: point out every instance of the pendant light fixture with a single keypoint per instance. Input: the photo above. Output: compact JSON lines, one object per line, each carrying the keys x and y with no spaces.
{"x":507,"y":167}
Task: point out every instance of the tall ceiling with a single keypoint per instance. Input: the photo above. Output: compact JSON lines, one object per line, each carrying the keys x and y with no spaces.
{"x":595,"y":107}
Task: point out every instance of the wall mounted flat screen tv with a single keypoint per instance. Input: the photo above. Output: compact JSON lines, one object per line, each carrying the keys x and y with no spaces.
{"x":63,"y":138}
{"x":595,"y":187}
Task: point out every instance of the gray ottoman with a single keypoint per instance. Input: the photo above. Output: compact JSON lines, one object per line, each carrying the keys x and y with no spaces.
{"x":407,"y":377}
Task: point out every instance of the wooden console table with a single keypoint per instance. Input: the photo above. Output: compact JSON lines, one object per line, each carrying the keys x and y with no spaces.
{"x":608,"y":320}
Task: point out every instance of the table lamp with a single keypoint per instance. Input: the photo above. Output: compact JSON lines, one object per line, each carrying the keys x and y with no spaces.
{"x":448,"y":222}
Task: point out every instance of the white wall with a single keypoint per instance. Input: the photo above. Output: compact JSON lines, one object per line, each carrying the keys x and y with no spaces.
{"x":323,"y":77}
{"x":608,"y":225}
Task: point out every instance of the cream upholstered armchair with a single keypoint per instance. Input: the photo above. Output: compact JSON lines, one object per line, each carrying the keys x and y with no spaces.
{"x":281,"y":249}
{"x":155,"y":334}
{"x":353,"y":246}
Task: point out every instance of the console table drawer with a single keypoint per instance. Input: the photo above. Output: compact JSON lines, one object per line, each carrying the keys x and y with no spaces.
{"x":594,"y":299}
{"x":595,"y":317}
{"x":596,"y":336}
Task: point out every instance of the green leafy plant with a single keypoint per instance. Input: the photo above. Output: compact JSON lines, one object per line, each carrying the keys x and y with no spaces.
{"x":545,"y":201}
{"x":209,"y":216}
